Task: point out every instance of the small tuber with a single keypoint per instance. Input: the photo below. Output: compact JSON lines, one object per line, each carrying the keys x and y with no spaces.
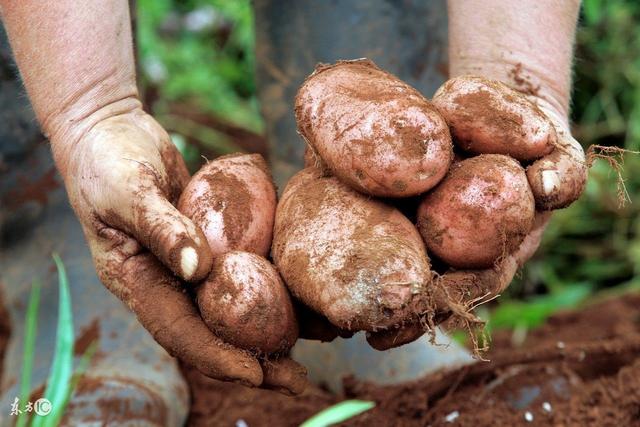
{"x":233,"y":200}
{"x":244,"y":302}
{"x":483,"y":209}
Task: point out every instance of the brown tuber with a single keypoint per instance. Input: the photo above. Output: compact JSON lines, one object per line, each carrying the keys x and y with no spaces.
{"x":357,"y":261}
{"x":244,"y":302}
{"x":488,"y":117}
{"x":483,"y":209}
{"x":233,"y":200}
{"x":373,"y":131}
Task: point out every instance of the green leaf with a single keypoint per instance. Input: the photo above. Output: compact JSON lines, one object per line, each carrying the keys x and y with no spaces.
{"x":83,"y":364}
{"x":31,"y":327}
{"x":592,"y":11}
{"x":59,"y":380}
{"x":532,"y":313}
{"x":338,"y":413}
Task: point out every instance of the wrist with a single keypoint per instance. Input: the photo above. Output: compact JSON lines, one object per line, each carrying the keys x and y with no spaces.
{"x":66,"y":130}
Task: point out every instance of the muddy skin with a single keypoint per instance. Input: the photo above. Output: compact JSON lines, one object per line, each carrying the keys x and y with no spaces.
{"x":245,"y":303}
{"x":567,"y":162}
{"x":232,"y":199}
{"x":162,"y":306}
{"x":489,"y":117}
{"x":338,"y":274}
{"x":284,"y":375}
{"x":373,"y":131}
{"x":395,"y":337}
{"x":481,"y":211}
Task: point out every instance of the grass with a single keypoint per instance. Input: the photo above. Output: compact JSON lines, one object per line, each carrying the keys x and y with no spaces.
{"x":61,"y":380}
{"x":31,"y":327}
{"x":338,"y":413}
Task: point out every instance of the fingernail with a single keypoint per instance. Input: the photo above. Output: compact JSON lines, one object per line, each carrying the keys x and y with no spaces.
{"x":550,"y":181}
{"x":188,"y":261}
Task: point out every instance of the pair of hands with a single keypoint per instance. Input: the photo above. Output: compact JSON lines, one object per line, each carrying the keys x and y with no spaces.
{"x":124,"y":177}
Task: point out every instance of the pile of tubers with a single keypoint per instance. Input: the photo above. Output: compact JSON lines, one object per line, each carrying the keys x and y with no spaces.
{"x":383,"y":187}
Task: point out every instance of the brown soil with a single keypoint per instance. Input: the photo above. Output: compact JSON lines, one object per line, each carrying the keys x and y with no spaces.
{"x":580,"y":369}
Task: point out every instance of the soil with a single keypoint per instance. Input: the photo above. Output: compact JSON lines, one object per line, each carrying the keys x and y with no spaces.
{"x":581,"y":368}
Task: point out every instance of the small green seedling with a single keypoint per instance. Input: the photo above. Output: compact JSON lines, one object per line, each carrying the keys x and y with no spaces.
{"x":61,"y":380}
{"x":338,"y":413}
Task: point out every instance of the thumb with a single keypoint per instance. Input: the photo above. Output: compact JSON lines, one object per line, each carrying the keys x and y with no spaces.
{"x":172,"y":237}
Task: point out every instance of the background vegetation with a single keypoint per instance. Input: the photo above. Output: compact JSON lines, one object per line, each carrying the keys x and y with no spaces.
{"x":200,"y":53}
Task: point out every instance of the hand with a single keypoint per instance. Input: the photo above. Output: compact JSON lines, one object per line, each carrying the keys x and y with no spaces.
{"x":124,"y":176}
{"x":557,"y":179}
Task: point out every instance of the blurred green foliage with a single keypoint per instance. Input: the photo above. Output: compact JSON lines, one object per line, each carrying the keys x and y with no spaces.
{"x":200,"y":52}
{"x":592,"y":246}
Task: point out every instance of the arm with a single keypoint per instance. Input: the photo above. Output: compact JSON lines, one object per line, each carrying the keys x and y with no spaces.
{"x":122,"y":173}
{"x":76,"y":63}
{"x":528,"y":44}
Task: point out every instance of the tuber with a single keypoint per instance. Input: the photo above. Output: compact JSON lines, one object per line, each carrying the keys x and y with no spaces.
{"x":489,"y":117}
{"x":353,"y":259}
{"x":233,"y":200}
{"x":244,"y":302}
{"x":482,"y":209}
{"x":373,"y":131}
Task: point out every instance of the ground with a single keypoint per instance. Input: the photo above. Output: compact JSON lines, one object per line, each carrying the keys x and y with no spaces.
{"x":581,"y":368}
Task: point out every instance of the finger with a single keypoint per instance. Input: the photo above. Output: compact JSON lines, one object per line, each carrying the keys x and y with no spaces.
{"x":469,"y":285}
{"x":558,"y":178}
{"x":314,"y":326}
{"x":166,"y":311}
{"x":465,"y":286}
{"x":173,"y":238}
{"x":284,"y":375}
{"x":395,"y":337}
{"x":162,"y":229}
{"x":532,"y":241}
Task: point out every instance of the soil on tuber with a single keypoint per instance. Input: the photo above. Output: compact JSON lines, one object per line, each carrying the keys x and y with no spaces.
{"x":481,"y":211}
{"x":373,"y":131}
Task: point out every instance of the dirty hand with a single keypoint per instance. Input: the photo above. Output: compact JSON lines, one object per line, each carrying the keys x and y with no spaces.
{"x":556,"y":180}
{"x":123,"y":177}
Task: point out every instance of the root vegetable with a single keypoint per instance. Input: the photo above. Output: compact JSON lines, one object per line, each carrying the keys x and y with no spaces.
{"x":373,"y":131}
{"x":483,"y":209}
{"x":232,"y":199}
{"x":356,"y":260}
{"x":244,"y":302}
{"x":488,"y":117}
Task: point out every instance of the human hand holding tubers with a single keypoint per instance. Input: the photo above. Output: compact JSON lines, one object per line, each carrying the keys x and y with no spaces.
{"x":243,"y":301}
{"x":354,"y":259}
